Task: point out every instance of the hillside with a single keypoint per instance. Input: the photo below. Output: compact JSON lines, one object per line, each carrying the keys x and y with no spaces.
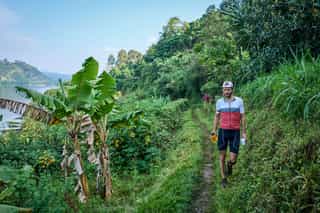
{"x":21,"y":73}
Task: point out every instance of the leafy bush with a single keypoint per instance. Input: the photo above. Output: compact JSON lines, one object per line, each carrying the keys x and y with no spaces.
{"x":31,"y":168}
{"x":42,"y":193}
{"x":132,"y":147}
{"x":17,"y":185}
{"x":36,"y":143}
{"x":146,"y":138}
{"x":54,"y":194}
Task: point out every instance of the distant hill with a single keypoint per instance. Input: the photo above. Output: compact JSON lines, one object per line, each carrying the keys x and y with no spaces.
{"x":19,"y":72}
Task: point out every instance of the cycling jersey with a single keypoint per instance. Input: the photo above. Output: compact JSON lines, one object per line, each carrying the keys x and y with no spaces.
{"x":230,"y":112}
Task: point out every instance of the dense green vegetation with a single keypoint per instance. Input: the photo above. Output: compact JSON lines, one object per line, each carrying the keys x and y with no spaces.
{"x":149,"y":129}
{"x":155,"y":160}
{"x":271,"y":31}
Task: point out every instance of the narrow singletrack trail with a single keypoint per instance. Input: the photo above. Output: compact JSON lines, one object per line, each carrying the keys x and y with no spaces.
{"x":201,"y":202}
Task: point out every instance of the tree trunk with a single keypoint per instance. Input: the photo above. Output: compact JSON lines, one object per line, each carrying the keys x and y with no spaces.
{"x":83,"y":177}
{"x":105,"y":161}
{"x":106,"y":171}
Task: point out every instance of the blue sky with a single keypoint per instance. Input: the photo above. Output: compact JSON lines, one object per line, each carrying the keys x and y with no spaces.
{"x":58,"y":35}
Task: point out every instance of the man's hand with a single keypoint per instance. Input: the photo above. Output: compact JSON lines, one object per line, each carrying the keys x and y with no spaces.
{"x":213,"y":132}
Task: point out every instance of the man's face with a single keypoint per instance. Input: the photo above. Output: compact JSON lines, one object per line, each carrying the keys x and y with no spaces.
{"x":227,"y":92}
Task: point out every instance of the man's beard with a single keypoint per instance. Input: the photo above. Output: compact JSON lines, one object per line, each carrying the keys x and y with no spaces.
{"x":228,"y":95}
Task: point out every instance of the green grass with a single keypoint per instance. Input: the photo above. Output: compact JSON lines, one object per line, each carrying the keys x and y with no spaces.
{"x":172,"y":191}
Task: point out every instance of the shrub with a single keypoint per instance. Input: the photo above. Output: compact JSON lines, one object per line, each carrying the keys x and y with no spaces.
{"x":145,"y":140}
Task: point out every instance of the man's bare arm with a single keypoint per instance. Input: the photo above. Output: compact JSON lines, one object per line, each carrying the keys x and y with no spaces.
{"x":215,"y":122}
{"x":243,"y":123}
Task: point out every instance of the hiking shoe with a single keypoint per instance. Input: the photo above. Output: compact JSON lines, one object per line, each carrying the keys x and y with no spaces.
{"x":229,"y":168}
{"x":224,"y":183}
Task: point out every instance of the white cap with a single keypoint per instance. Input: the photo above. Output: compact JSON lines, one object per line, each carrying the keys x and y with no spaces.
{"x":227,"y":84}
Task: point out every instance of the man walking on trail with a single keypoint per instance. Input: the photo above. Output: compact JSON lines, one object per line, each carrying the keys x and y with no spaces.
{"x":230,"y":115}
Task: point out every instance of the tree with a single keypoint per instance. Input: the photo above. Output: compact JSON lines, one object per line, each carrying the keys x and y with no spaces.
{"x":134,"y":56}
{"x":111,"y":62}
{"x":98,"y":111}
{"x":86,"y":95}
{"x":122,"y":57}
{"x":174,"y":26}
{"x":271,"y":30}
{"x":175,"y":37}
{"x":211,"y":8}
{"x":69,"y":107}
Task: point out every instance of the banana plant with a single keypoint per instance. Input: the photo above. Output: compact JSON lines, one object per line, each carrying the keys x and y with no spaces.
{"x":85,"y":102}
{"x":69,"y":107}
{"x":102,"y":103}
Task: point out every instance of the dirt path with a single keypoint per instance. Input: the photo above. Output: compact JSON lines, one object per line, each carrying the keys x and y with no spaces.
{"x":202,"y":194}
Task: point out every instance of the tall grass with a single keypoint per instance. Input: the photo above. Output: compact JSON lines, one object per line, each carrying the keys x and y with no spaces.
{"x":294,"y":89}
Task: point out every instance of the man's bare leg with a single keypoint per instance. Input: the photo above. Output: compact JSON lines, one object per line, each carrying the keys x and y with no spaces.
{"x":231,"y":162}
{"x":233,"y":157}
{"x":222,"y":163}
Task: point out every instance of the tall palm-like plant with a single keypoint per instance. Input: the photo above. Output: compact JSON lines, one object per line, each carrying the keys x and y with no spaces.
{"x":101,"y":105}
{"x":86,"y":101}
{"x":70,"y":107}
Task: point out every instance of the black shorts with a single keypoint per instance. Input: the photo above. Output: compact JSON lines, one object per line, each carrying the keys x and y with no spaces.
{"x":231,"y":137}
